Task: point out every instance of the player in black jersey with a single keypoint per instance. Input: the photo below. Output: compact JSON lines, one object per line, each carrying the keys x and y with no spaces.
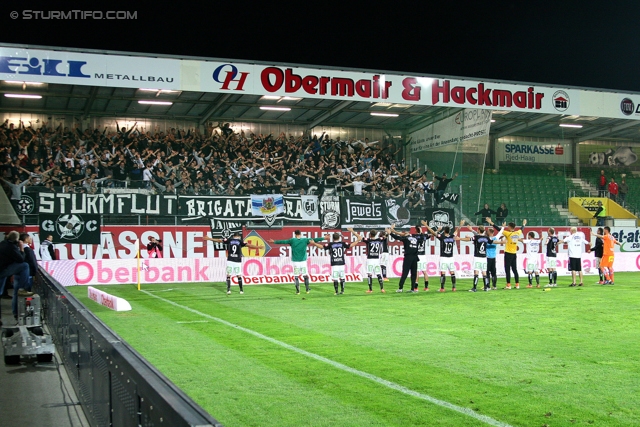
{"x":598,"y":251}
{"x":480,"y":243}
{"x":337,"y":251}
{"x":374,"y":244}
{"x":552,"y":250}
{"x":410,"y":262}
{"x":384,"y":255}
{"x":447,"y":243}
{"x":422,"y":257}
{"x":234,"y":246}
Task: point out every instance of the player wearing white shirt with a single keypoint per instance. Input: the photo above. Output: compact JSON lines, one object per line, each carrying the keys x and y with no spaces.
{"x":576,"y":242}
{"x":533,"y":258}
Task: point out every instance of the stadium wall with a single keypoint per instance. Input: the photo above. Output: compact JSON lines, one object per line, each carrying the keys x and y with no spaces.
{"x":118,"y":242}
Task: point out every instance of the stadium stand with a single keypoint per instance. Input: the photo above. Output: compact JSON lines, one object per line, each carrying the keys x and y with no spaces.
{"x":223,"y":161}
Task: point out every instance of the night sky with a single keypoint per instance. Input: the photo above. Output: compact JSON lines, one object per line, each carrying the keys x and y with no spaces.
{"x":567,"y":44}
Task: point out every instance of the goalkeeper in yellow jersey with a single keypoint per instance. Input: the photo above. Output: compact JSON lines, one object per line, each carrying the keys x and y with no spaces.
{"x":512,"y":237}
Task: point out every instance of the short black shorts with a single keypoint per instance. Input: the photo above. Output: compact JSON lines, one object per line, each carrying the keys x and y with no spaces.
{"x":575,"y":264}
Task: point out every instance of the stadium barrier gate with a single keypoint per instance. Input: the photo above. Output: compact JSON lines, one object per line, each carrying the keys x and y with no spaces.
{"x":115,"y":385}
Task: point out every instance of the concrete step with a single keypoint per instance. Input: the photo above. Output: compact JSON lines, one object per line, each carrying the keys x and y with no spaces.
{"x":572,"y":219}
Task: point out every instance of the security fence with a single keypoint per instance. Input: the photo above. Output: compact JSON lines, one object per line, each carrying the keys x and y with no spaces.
{"x":115,"y":385}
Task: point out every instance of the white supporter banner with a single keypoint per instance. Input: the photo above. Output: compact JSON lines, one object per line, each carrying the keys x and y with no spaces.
{"x":274,"y":270}
{"x":107,"y":300}
{"x":310,"y":210}
{"x":471,"y":127}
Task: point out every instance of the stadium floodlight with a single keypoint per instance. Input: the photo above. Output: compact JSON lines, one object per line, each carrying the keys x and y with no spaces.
{"x":385,"y":114}
{"x":158,"y":90}
{"x":568,"y":125}
{"x":17,"y":82}
{"x":268,"y":107}
{"x":22,"y":95}
{"x":155,"y":102}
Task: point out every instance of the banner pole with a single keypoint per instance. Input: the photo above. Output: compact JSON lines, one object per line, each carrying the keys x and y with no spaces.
{"x":138,"y":260}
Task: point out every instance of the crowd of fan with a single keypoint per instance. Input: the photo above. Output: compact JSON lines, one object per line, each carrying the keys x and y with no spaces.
{"x":220,"y":162}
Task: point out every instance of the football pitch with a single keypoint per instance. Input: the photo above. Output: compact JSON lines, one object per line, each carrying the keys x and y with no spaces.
{"x":528,"y":357}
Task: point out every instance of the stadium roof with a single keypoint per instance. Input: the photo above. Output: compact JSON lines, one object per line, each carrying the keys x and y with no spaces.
{"x":200,"y":106}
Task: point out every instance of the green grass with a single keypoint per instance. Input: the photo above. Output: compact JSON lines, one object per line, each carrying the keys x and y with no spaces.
{"x":567,"y":357}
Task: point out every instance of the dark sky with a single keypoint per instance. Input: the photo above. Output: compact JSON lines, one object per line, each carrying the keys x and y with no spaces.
{"x":568,"y":43}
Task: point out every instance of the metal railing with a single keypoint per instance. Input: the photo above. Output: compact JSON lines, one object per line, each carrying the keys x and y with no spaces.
{"x":115,"y":385}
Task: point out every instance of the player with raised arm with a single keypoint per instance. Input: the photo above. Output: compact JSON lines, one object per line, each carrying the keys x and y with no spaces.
{"x":410,"y":262}
{"x":337,"y":251}
{"x":576,"y":242}
{"x":607,"y":255}
{"x":299,"y":256}
{"x":552,"y":262}
{"x":492,"y":249}
{"x":447,"y":243}
{"x":480,"y":242}
{"x":384,"y":255}
{"x":234,"y":247}
{"x":374,"y":248}
{"x":512,"y":236}
{"x":533,"y":261}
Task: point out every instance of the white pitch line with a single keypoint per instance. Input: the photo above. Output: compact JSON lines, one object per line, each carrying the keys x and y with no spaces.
{"x":460,"y":409}
{"x":195,"y":321}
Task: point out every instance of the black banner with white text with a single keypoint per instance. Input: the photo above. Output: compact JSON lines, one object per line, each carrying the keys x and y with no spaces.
{"x":232,"y":208}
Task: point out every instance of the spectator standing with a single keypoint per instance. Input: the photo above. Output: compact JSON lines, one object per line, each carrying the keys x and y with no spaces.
{"x":442,"y":185}
{"x":613,"y":190}
{"x":47,"y":251}
{"x":599,"y":215}
{"x":29,"y":258}
{"x":12,"y":263}
{"x":602,"y":184}
{"x":502,"y":213}
{"x":623,"y":189}
{"x":485,"y":213}
{"x":154,"y":248}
